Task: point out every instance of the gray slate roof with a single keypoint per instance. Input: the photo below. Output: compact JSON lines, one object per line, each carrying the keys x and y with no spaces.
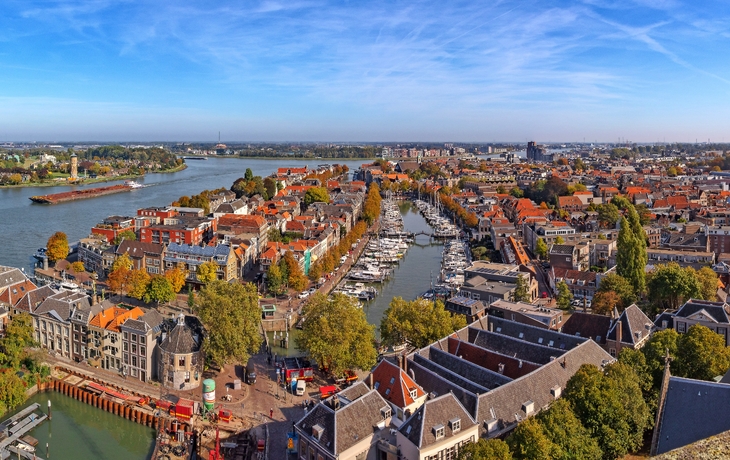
{"x":719,"y":311}
{"x":635,"y":326}
{"x":61,"y":304}
{"x":588,"y":325}
{"x":33,"y":298}
{"x":185,"y":338}
{"x":693,"y":410}
{"x":419,"y":428}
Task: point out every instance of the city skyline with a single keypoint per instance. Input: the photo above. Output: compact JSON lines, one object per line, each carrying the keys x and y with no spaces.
{"x":645,"y":70}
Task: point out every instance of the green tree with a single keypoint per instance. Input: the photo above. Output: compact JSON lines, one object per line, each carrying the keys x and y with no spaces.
{"x":248,"y":175}
{"x":564,"y":296}
{"x":418,"y":322}
{"x":636,"y":360}
{"x":231,"y":317}
{"x":559,"y":240}
{"x":570,"y":439}
{"x":670,"y":285}
{"x":57,"y":247}
{"x":541,"y":249}
{"x":521,"y":292}
{"x":207,"y":272}
{"x":274,"y":280}
{"x":620,"y":286}
{"x":701,"y":354}
{"x":78,"y":267}
{"x":18,"y":337}
{"x":529,"y":441}
{"x":655,"y":350}
{"x":501,"y":190}
{"x":610,"y":406}
{"x":478,"y":252}
{"x":337,"y":335}
{"x":160,"y":290}
{"x":128,"y":235}
{"x":12,"y":391}
{"x":270,"y":186}
{"x":631,"y":256}
{"x":608,"y":215}
{"x":485,"y":449}
{"x":644,"y":214}
{"x":516,"y":192}
{"x":708,"y":283}
{"x":316,"y":195}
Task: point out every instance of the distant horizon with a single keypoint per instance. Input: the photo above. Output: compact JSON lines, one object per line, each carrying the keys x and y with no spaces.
{"x":340,"y":142}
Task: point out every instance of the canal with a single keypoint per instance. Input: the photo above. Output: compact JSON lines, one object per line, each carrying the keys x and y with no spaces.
{"x":80,"y":431}
{"x":411,"y":277}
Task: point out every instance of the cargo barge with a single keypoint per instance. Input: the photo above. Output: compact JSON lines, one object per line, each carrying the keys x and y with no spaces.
{"x":84,"y":193}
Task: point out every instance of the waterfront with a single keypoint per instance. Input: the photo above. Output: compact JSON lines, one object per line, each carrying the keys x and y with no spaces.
{"x":26,"y":226}
{"x":78,"y":430}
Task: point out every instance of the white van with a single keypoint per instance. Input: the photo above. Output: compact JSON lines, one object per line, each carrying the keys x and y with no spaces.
{"x":301,"y":387}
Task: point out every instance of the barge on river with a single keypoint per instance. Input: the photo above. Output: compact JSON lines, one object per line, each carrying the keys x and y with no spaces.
{"x":85,"y":193}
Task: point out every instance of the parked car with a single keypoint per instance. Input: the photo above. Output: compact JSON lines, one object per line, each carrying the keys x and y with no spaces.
{"x":304,"y":295}
{"x":312,"y":290}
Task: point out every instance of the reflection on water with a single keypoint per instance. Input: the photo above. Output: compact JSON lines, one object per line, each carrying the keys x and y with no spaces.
{"x":80,"y":431}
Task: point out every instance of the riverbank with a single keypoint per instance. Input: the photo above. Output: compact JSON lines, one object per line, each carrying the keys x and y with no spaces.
{"x":280,"y":157}
{"x":96,"y":180}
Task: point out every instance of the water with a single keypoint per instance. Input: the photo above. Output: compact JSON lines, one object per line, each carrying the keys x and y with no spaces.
{"x":80,"y":431}
{"x":26,"y":226}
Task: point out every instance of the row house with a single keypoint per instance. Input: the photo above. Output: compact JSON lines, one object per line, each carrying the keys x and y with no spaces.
{"x":80,"y":320}
{"x":188,"y":258}
{"x":158,"y":215}
{"x":527,"y":313}
{"x":237,"y":207}
{"x":139,"y":342}
{"x":582,"y":284}
{"x":144,"y":256}
{"x":245,"y":257}
{"x":660,"y":256}
{"x":105,"y":337}
{"x":718,"y":239}
{"x":14,"y":284}
{"x":246,"y":227}
{"x":52,"y":320}
{"x":570,"y":256}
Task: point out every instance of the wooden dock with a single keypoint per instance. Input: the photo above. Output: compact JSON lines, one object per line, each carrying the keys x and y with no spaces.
{"x":14,"y":428}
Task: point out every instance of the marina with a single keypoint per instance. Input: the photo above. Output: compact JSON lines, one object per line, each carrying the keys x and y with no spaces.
{"x":15,"y":428}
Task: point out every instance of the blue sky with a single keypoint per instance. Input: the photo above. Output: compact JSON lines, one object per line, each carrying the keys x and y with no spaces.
{"x":643,"y":70}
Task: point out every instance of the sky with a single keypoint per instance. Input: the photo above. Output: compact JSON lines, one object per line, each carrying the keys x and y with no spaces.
{"x":365,"y":71}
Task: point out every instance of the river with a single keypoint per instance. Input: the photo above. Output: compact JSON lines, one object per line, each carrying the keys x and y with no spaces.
{"x":80,"y":431}
{"x":26,"y":226}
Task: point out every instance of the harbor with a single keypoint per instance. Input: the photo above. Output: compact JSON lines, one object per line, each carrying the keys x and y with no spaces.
{"x":13,"y":439}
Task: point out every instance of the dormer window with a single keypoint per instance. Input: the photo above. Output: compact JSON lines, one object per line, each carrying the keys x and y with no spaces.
{"x":455,"y":425}
{"x":439,"y":431}
{"x":392,"y":380}
{"x":414,"y":393}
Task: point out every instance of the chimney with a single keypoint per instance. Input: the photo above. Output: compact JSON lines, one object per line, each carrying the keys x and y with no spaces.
{"x":585,"y":302}
{"x":619,"y":335}
{"x":370,"y":380}
{"x":405,"y":364}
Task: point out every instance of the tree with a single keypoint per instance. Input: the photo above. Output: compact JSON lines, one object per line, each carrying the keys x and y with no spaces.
{"x":57,"y":247}
{"x":516,"y":192}
{"x":127,"y":235}
{"x":123,"y":261}
{"x":176,"y":278}
{"x":570,"y":439}
{"x":559,"y":240}
{"x":18,"y":337}
{"x":529,"y":441}
{"x":270,"y":186}
{"x":701,"y":354}
{"x":418,"y":322}
{"x":610,"y":406}
{"x":248,"y":175}
{"x":541,"y":249}
{"x":644,"y":214}
{"x":316,"y":195}
{"x":78,"y":267}
{"x":336,"y":334}
{"x":620,"y":286}
{"x":159,"y":289}
{"x":631,"y":258}
{"x":483,"y":449}
{"x":478,"y":252}
{"x":12,"y":391}
{"x":207,"y":272}
{"x":274,"y":280}
{"x":564,"y":297}
{"x":636,"y":360}
{"x":231,"y":317}
{"x":604,"y":302}
{"x":708,"y":283}
{"x":608,"y":215}
{"x":521,"y":292}
{"x":138,"y":281}
{"x":655,"y":350}
{"x":670,"y":285}
{"x":501,"y":190}
{"x":295,"y":275}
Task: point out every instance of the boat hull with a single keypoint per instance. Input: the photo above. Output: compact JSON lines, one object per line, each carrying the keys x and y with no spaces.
{"x":80,"y":194}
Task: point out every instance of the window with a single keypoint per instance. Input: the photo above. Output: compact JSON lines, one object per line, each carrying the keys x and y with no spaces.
{"x":126,"y":358}
{"x":665,"y":324}
{"x":142,"y":339}
{"x":187,"y":377}
{"x":134,"y":347}
{"x":126,"y":335}
{"x":539,"y":340}
{"x":170,"y":376}
{"x":143,"y":351}
{"x":125,"y":346}
{"x":134,"y":361}
{"x":181,"y":361}
{"x":612,"y":352}
{"x":455,"y":425}
{"x":551,"y":343}
{"x":134,"y":337}
{"x":438,"y":431}
{"x":681,"y":327}
{"x":143,"y":363}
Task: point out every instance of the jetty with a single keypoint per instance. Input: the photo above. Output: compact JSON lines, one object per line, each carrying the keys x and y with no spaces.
{"x":14,"y":428}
